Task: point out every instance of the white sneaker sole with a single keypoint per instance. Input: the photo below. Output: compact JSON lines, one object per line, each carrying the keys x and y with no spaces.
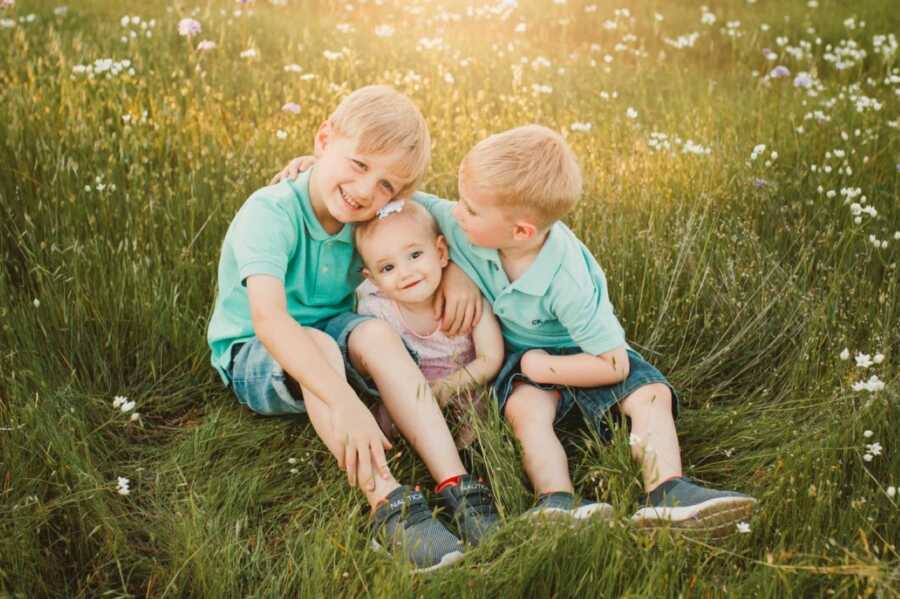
{"x":714,"y":516}
{"x":584,"y":512}
{"x":446,"y":560}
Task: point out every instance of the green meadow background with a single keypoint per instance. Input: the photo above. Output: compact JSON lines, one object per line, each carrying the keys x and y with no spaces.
{"x":741,"y":273}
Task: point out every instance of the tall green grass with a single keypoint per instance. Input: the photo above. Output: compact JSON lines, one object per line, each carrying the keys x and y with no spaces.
{"x":744,"y":293}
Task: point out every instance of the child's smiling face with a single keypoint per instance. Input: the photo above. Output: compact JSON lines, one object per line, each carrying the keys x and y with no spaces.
{"x":404,"y":259}
{"x":348,"y":186}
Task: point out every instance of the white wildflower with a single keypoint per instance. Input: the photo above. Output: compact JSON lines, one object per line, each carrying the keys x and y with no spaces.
{"x":863,"y":360}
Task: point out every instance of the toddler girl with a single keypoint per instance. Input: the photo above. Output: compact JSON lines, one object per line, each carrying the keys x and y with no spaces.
{"x":404,"y":255}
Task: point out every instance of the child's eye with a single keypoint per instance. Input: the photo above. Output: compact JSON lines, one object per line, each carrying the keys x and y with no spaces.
{"x":416,"y":254}
{"x":359,"y":165}
{"x":387,"y":268}
{"x":388,"y":187}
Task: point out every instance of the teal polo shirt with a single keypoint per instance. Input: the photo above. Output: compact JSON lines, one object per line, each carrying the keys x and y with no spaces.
{"x":560,"y":301}
{"x":277,"y":233}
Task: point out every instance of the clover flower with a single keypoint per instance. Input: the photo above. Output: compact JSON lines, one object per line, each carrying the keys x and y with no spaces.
{"x":188,"y":27}
{"x":873,"y":385}
{"x":291,"y":107}
{"x":206,"y":45}
{"x":780,"y":72}
{"x":249,"y":53}
{"x":384,"y":31}
{"x":631,"y":113}
{"x":122,"y":486}
{"x":803,"y":80}
{"x":863,"y":360}
{"x":281,"y":134}
{"x":743,"y":527}
{"x":581,"y":127}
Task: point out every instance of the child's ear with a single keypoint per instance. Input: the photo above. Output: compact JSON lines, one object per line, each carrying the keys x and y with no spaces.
{"x":322,"y":138}
{"x":367,"y":274}
{"x":443,"y":251}
{"x":524,"y":230}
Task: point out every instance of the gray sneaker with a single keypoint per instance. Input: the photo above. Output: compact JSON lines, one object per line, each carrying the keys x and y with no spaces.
{"x":684,"y":504}
{"x":403,"y":520}
{"x":562,"y":503}
{"x":471,"y":505}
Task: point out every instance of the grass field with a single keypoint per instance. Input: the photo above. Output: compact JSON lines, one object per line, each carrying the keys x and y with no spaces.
{"x":742,"y":196}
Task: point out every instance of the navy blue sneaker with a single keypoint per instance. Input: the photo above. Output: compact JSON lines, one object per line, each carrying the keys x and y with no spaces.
{"x":681,"y":503}
{"x":471,"y":505}
{"x":562,"y":503}
{"x":403,"y":520}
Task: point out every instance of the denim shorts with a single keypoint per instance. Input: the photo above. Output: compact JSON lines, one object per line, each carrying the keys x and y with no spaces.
{"x":262,"y":385}
{"x":594,"y":403}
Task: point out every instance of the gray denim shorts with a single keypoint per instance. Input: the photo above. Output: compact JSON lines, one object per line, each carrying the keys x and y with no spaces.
{"x":262,"y":385}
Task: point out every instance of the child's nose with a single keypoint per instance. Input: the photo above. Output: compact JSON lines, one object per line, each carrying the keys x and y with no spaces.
{"x":370,"y":187}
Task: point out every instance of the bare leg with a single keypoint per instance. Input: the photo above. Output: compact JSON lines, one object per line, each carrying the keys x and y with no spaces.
{"x":377,"y":351}
{"x":531,"y":412}
{"x":320,"y":416}
{"x":655,"y":442}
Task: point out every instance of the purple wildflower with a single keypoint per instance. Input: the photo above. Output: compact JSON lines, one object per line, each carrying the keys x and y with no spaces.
{"x":779,"y":72}
{"x":803,"y":80}
{"x":206,"y":45}
{"x":291,"y":107}
{"x":188,"y":27}
{"x":7,"y":3}
{"x":759,"y":183}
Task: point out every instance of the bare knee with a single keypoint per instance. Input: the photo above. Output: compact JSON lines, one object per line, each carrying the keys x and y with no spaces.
{"x":649,"y":398}
{"x":328,"y":347}
{"x":370,"y":339}
{"x":530,"y":408}
{"x":373,"y":334}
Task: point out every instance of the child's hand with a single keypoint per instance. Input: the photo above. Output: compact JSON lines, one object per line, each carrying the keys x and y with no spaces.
{"x":294,"y":167}
{"x":534,"y":365}
{"x":360,"y":444}
{"x":457,"y":302}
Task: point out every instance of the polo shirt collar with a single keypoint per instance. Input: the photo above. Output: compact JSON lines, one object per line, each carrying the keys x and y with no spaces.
{"x":301,"y":188}
{"x":536,"y":280}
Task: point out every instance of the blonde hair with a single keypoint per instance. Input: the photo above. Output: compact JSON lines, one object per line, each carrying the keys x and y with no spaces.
{"x":383,"y":120}
{"x":528,"y":167}
{"x":412,"y":212}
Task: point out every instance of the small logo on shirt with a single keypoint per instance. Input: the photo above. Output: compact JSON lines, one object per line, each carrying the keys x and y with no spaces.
{"x":537,"y":322}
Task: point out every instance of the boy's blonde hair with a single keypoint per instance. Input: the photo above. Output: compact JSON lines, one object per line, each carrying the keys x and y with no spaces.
{"x":530,"y":167}
{"x":383,"y":120}
{"x":412,"y":211}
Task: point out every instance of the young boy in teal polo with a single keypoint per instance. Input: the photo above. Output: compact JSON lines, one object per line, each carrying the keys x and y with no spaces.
{"x":565,"y":346}
{"x":284,"y":338}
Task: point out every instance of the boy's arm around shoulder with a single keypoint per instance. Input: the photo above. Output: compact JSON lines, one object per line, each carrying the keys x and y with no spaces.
{"x":584,"y":309}
{"x":488,"y":342}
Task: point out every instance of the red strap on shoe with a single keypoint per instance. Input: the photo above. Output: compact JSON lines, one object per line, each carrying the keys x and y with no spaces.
{"x":453,"y":480}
